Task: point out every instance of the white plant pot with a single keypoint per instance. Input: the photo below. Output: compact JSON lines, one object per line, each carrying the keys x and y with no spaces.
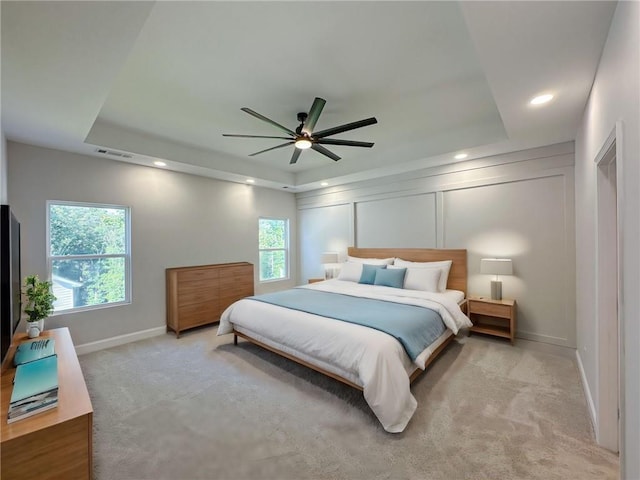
{"x":34,"y":329}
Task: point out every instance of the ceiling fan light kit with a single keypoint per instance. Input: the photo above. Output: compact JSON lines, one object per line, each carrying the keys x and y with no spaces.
{"x":304,"y":137}
{"x":303,"y":143}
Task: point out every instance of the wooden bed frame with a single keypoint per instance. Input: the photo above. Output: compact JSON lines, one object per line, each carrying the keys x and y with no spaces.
{"x":457,"y":281}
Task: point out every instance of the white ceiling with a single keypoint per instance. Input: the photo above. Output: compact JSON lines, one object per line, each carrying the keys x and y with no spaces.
{"x":165,"y":80}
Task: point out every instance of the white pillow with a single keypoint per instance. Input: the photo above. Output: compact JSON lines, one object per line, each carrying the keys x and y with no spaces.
{"x":371,"y":261}
{"x":425,"y":279}
{"x":443,"y":266}
{"x":350,"y":272}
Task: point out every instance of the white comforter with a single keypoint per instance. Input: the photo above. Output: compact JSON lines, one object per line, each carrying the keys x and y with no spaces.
{"x":367,"y":357}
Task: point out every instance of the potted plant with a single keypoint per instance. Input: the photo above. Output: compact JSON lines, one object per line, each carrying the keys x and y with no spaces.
{"x":38,"y":305}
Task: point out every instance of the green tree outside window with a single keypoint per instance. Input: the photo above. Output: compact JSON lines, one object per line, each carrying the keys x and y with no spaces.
{"x":273,"y":244}
{"x":88,"y":254}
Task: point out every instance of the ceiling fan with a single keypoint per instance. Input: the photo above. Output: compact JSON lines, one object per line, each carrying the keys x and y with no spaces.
{"x":304,"y":137}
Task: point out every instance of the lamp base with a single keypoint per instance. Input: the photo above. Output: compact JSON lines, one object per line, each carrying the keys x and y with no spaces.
{"x":496,"y":290}
{"x":330,"y":272}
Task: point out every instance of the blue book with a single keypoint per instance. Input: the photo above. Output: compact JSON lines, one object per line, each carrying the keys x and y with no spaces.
{"x":33,"y":350}
{"x":34,"y":379}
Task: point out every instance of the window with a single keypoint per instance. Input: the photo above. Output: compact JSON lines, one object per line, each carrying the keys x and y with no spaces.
{"x":88,"y":255}
{"x":273,"y":243}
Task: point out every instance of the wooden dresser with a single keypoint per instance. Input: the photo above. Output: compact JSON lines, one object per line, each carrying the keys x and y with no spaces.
{"x":198,"y":295}
{"x":57,"y":443}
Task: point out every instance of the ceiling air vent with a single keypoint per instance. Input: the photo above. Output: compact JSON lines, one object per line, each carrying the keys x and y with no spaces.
{"x":113,"y":153}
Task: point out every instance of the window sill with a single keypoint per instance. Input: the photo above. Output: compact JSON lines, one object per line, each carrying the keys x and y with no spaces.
{"x":275,"y":280}
{"x":89,"y":308}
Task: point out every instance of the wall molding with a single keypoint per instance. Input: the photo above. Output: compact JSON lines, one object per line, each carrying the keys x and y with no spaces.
{"x":120,"y":340}
{"x":448,"y":185}
{"x":543,"y":161}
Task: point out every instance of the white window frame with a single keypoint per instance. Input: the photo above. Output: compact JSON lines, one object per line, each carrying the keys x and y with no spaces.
{"x":286,"y":251}
{"x":126,"y":255}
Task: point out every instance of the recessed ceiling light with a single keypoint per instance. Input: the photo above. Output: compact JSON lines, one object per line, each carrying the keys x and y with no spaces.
{"x":158,"y":163}
{"x":460,"y":156}
{"x":324,"y":184}
{"x":540,"y":99}
{"x":250,"y":180}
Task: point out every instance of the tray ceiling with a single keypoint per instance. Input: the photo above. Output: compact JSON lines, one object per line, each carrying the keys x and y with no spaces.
{"x":165,"y":80}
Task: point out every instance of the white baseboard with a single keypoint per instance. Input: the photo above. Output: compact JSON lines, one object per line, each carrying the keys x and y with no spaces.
{"x":536,"y":337}
{"x":587,"y":393}
{"x":119,"y":340}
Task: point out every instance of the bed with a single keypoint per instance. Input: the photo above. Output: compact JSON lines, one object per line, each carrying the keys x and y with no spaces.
{"x":369,"y":358}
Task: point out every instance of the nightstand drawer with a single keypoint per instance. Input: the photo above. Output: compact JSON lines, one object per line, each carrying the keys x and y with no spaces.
{"x":492,"y":309}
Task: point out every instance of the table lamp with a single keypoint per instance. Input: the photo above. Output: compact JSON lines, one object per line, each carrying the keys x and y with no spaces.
{"x":329,"y":259}
{"x":496,"y":266}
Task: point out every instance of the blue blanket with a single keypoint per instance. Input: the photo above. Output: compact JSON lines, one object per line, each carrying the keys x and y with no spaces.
{"x":414,"y":327}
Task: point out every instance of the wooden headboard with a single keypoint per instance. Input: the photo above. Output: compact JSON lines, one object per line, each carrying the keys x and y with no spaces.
{"x":457,"y":274}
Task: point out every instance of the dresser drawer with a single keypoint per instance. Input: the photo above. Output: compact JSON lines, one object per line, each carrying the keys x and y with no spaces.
{"x":195,"y":292}
{"x":199,"y":314}
{"x":237,"y":271}
{"x":198,"y":275}
{"x":236,"y":286}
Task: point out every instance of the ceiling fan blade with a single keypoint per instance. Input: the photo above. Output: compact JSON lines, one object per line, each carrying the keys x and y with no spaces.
{"x":324,"y":151}
{"x":268,"y":120}
{"x":313,"y":115}
{"x":345,"y":128}
{"x":272,"y":148}
{"x":295,"y":156}
{"x":349,"y":143}
{"x":252,"y":136}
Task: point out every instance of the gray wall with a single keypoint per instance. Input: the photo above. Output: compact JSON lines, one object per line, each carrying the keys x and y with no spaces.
{"x":402,"y":222}
{"x":176,"y":220}
{"x":615,"y":96}
{"x":518,"y":206}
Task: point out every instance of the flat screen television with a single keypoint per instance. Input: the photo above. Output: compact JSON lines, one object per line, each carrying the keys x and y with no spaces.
{"x":10,"y":279}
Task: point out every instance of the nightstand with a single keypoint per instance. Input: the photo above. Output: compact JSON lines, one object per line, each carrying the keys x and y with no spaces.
{"x":314,"y":280}
{"x":492,"y":317}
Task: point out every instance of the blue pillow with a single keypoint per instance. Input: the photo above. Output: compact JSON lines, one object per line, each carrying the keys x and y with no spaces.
{"x":391,"y":278}
{"x":369,"y":273}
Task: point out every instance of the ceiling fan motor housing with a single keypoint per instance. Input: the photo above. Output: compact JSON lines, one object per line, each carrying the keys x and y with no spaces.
{"x":302,"y":116}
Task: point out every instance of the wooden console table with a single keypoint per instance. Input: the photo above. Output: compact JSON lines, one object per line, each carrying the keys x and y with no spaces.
{"x":57,"y":443}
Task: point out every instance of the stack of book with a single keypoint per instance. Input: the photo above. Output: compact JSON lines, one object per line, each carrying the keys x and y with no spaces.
{"x":35,"y":386}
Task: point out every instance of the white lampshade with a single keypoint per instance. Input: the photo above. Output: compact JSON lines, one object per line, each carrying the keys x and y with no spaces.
{"x":496,"y":266}
{"x":329,"y":257}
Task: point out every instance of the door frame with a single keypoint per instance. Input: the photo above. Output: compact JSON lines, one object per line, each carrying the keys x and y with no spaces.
{"x":609,"y":312}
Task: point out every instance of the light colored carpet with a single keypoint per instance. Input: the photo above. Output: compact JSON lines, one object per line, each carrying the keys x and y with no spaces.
{"x":199,"y":408}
